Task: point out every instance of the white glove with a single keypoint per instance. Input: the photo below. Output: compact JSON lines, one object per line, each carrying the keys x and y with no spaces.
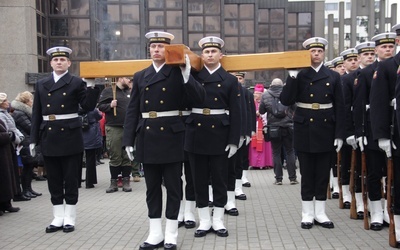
{"x":248,"y":139}
{"x":393,"y":103}
{"x":253,"y":133}
{"x":241,"y":141}
{"x":32,"y":149}
{"x":384,"y":144}
{"x":232,"y":150}
{"x":338,"y":143}
{"x":351,"y":140}
{"x":186,"y":69}
{"x":293,"y":73}
{"x":362,"y":141}
{"x":89,"y":82}
{"x":129,"y":152}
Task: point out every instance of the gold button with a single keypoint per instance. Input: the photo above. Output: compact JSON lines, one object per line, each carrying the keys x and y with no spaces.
{"x":48,"y":105}
{"x":147,"y":127}
{"x":310,"y":83}
{"x":202,"y":84}
{"x":162,"y":128}
{"x":212,"y":126}
{"x":49,"y":128}
{"x":199,"y":124}
{"x":164,"y":89}
{"x":215,"y":99}
{"x":146,"y":101}
{"x":325,"y":120}
{"x":311,"y":95}
{"x":161,"y":102}
{"x":327,"y":84}
{"x":62,"y":129}
{"x":326,"y":95}
{"x":219,"y":85}
{"x":147,"y":88}
{"x":62,"y":105}
{"x":64,"y":93}
{"x":311,"y":119}
{"x":49,"y":94}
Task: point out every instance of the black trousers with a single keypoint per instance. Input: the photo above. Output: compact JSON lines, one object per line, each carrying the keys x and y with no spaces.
{"x":345,"y":164}
{"x":245,"y":157}
{"x":232,"y":163}
{"x":205,"y":167}
{"x":189,"y":187}
{"x":63,"y":178}
{"x":314,"y":169}
{"x":239,"y":160}
{"x":376,"y":169}
{"x":171,"y":173}
{"x":91,"y":173}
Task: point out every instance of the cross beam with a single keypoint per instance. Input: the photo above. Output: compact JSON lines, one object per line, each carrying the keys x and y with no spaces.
{"x":175,"y":56}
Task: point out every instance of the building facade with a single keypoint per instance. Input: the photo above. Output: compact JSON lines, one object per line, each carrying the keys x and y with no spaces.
{"x":114,"y":30}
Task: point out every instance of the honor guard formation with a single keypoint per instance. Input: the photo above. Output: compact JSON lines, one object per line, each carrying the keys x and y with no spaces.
{"x":194,"y":134}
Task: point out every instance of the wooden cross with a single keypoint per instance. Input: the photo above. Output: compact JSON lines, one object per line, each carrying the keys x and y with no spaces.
{"x":174,"y":55}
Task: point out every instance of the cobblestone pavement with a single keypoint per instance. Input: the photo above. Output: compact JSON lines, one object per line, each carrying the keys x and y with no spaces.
{"x":269,"y":219}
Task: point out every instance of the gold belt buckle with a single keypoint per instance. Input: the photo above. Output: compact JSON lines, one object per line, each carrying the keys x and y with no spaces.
{"x":152,"y":114}
{"x":52,"y":117}
{"x":315,"y":106}
{"x":206,"y":111}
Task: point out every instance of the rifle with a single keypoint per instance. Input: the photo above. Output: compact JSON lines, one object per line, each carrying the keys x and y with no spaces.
{"x":114,"y":91}
{"x":339,"y":159}
{"x":353,"y":208}
{"x":389,"y":191}
{"x":364,"y":187}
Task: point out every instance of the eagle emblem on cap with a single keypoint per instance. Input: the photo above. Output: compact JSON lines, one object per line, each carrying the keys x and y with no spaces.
{"x":58,"y":49}
{"x":375,"y":74}
{"x":211,"y":39}
{"x":156,"y":34}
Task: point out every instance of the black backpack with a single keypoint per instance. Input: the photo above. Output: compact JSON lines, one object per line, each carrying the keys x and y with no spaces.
{"x":278,"y":109}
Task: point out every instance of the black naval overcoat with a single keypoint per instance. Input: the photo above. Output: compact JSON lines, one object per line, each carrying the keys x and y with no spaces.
{"x":316,"y":130}
{"x":210,"y":134}
{"x":60,"y":137}
{"x":159,"y":140}
{"x":382,"y":92}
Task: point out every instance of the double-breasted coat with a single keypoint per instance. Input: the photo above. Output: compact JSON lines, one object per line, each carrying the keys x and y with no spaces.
{"x":60,"y":137}
{"x":316,"y":130}
{"x":159,"y":140}
{"x":210,"y":134}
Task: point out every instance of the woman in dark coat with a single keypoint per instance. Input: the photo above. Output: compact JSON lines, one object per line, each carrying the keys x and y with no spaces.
{"x":92,"y":141}
{"x":8,"y":186}
{"x":22,"y":115}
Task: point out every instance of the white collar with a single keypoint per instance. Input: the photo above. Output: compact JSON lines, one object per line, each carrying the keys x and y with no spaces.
{"x":212,"y":71}
{"x":158,"y":68}
{"x":318,"y":68}
{"x":58,"y":77}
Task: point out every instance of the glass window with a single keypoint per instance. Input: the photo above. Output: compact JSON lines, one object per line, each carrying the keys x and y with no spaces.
{"x":195,"y":6}
{"x":231,"y":11}
{"x":277,"y":16}
{"x":59,"y":27}
{"x":79,"y":28}
{"x":156,"y":4}
{"x":194,"y":41}
{"x":263,"y":15}
{"x":174,"y":4}
{"x":178,"y":35}
{"x":292,"y":34}
{"x":39,"y":46}
{"x":59,"y":7}
{"x":263,"y":46}
{"x":212,"y":23}
{"x":246,"y":44}
{"x":113,"y":13}
{"x":231,"y":27}
{"x":246,"y":11}
{"x":277,"y":45}
{"x":131,"y":32}
{"x":292,"y":19}
{"x":277,"y":31}
{"x":174,"y":18}
{"x":304,"y":33}
{"x":156,"y":18}
{"x":80,"y":49}
{"x":212,"y":7}
{"x":304,"y":18}
{"x":195,"y":23}
{"x":130,"y":13}
{"x":331,"y":6}
{"x":80,"y":7}
{"x":263,"y":30}
{"x":246,"y":27}
{"x":231,"y":44}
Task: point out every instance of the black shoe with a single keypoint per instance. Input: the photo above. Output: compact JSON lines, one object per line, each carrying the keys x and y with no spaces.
{"x":306,"y":225}
{"x":376,"y":226}
{"x":11,"y":209}
{"x":222,"y":232}
{"x":326,"y":224}
{"x":190,"y":224}
{"x":232,"y":212}
{"x":246,"y":184}
{"x":21,"y":198}
{"x":210,"y":204}
{"x":170,"y":246}
{"x":1,"y":212}
{"x":346,"y":205}
{"x":100,"y":162}
{"x":89,"y":186}
{"x":40,"y":178}
{"x":52,"y":229}
{"x":385,"y":224}
{"x":181,"y":224}
{"x":35,"y":193}
{"x":201,"y":233}
{"x":360,"y":215}
{"x":68,"y":228}
{"x":335,"y":195}
{"x":148,"y":246}
{"x":241,"y":197}
{"x":27,"y":193}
